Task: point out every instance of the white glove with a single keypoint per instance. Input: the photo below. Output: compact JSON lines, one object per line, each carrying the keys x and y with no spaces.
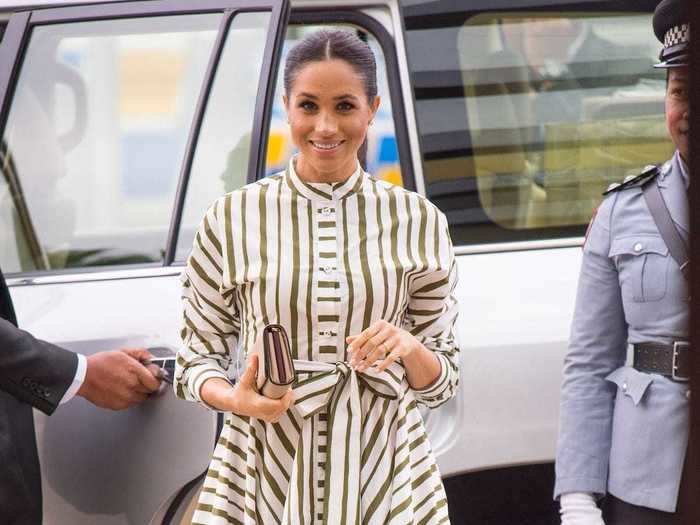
{"x":579,"y":508}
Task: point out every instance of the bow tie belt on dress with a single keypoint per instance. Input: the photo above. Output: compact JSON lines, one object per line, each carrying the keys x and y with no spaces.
{"x":335,"y":387}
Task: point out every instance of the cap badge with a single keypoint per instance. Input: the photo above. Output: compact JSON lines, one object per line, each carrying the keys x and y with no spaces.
{"x":677,"y":35}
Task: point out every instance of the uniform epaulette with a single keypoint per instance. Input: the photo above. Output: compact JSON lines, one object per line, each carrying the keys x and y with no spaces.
{"x":633,"y":181}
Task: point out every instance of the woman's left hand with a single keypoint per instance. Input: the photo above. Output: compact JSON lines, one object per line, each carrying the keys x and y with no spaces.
{"x":381,"y":344}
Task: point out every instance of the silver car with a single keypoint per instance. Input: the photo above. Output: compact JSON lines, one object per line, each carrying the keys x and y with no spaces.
{"x":121,"y":121}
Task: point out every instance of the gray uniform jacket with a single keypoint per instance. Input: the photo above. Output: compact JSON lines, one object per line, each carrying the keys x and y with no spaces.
{"x":623,"y":431}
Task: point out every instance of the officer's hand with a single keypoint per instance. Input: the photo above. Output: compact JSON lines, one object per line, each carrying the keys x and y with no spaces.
{"x":579,"y":508}
{"x":117,"y":379}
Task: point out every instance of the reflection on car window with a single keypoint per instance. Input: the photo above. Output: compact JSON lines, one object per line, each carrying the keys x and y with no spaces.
{"x":531,"y":116}
{"x":95,"y":138}
{"x":381,"y":156}
{"x":220,"y":163}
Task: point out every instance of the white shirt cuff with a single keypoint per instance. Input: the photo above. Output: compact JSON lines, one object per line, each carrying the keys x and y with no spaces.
{"x":77,"y":380}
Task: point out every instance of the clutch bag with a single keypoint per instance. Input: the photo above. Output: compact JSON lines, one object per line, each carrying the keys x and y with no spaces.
{"x":275,"y":364}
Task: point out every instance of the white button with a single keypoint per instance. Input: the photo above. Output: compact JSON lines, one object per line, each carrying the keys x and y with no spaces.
{"x":326,"y":210}
{"x":328,"y":269}
{"x":624,"y":386}
{"x":638,"y":247}
{"x":687,"y":394}
{"x":327,"y":333}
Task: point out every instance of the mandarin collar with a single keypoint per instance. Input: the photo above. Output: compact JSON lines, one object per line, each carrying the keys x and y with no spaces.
{"x":324,"y":191}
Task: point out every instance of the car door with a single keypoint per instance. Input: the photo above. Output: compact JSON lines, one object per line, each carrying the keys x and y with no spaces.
{"x":527,"y":112}
{"x":105,"y":111}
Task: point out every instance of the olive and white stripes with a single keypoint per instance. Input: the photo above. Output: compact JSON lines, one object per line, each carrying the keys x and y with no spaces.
{"x":324,"y":261}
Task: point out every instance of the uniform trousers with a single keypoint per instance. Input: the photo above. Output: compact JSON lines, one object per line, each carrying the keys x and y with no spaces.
{"x":618,"y":512}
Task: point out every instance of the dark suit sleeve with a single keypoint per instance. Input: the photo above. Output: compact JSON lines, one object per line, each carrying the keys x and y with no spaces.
{"x":34,"y":371}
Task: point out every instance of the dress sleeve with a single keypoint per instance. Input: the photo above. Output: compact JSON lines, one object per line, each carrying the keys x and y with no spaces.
{"x":210,"y":320}
{"x":432,"y":312}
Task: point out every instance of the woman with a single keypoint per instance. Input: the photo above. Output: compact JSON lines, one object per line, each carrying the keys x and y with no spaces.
{"x":361,"y":275}
{"x":624,"y":429}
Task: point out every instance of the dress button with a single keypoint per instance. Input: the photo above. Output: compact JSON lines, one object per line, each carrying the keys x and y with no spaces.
{"x":624,"y":386}
{"x":326,"y":210}
{"x":328,"y":269}
{"x":638,"y":247}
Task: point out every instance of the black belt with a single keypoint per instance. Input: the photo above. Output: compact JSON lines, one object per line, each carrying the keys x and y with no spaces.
{"x":670,"y":360}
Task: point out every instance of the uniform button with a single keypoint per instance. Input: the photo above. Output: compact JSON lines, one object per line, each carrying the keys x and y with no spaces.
{"x":624,"y":386}
{"x":328,"y":269}
{"x":687,"y":394}
{"x":326,"y":210}
{"x":638,"y":247}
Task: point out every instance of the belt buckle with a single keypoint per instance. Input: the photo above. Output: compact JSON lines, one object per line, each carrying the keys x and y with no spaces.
{"x":677,"y":347}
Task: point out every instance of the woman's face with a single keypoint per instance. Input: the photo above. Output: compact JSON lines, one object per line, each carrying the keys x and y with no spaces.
{"x":328,"y":115}
{"x":678,"y":109}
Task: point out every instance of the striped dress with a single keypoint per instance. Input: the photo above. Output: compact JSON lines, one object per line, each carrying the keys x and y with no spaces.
{"x":325,"y":261}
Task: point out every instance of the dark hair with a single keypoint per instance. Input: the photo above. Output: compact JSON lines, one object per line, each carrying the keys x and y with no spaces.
{"x":329,"y":44}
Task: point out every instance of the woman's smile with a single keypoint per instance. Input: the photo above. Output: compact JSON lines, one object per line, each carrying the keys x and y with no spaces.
{"x":326,"y":148}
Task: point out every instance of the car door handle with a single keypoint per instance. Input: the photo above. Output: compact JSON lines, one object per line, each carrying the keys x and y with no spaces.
{"x":163,"y":358}
{"x":166,"y":365}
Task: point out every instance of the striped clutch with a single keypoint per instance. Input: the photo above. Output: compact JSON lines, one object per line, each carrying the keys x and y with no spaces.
{"x":275,"y":364}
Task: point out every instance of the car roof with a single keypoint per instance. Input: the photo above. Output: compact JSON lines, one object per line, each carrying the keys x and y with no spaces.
{"x":11,"y":6}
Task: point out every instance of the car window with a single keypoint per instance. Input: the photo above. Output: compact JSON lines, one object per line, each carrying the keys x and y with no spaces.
{"x":526,"y":117}
{"x":221,"y":161}
{"x":92,"y":149}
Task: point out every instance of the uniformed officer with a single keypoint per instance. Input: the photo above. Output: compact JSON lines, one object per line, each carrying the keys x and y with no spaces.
{"x":624,"y":429}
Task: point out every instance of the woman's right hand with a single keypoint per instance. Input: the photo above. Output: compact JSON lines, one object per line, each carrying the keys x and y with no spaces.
{"x":246,"y":401}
